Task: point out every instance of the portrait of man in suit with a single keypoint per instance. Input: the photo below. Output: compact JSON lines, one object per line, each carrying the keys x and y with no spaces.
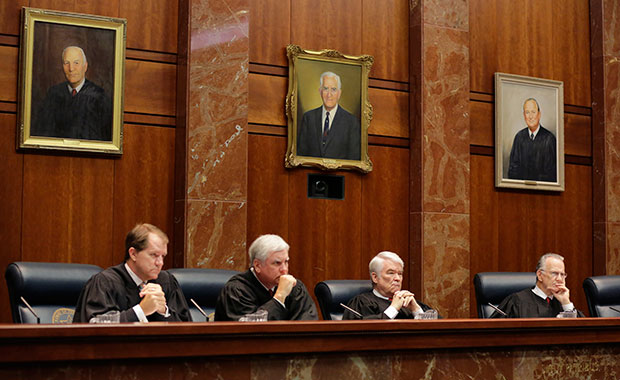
{"x":329,"y":131}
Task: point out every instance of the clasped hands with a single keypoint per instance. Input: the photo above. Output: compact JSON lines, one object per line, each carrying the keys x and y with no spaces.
{"x":406,"y":299}
{"x":153,"y":299}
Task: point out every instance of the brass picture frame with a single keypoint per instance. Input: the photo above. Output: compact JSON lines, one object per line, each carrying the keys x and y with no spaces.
{"x":307,"y":144}
{"x":60,"y":52}
{"x":529,"y":133}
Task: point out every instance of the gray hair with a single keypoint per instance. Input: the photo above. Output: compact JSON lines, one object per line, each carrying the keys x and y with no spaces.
{"x":77,"y":47}
{"x":543,"y":259}
{"x":533,"y":100}
{"x":376,"y":264}
{"x":265,"y":245}
{"x":330,"y":74}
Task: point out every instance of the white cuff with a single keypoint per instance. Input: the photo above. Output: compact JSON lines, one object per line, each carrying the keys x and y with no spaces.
{"x":568,"y":307}
{"x":391,"y":312}
{"x":140,"y":313}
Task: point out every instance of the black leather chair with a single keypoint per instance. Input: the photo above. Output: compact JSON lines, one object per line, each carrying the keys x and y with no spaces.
{"x":52,"y":289}
{"x":331,"y":293}
{"x":203,"y":285}
{"x":493,"y":287}
{"x":603,"y":294}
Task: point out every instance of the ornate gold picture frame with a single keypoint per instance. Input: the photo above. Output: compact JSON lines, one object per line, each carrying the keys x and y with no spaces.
{"x":321,"y":82}
{"x":529,"y":133}
{"x":71,"y":82}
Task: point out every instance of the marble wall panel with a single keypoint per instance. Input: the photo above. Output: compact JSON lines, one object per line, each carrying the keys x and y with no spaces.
{"x":446,"y":120}
{"x":445,"y":263}
{"x":612,"y":126}
{"x":611,"y":27}
{"x":454,"y":365}
{"x":447,"y":13}
{"x":216,"y":235}
{"x":613,"y":249}
{"x":567,"y":363}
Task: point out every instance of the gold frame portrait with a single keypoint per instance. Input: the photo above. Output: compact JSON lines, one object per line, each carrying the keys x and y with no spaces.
{"x":305,"y":69}
{"x":511,"y":94}
{"x":45,"y":35}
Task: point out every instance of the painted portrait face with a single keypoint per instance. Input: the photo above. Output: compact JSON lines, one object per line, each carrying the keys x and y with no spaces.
{"x":390,"y":280}
{"x":74,"y":66}
{"x":274,"y":266}
{"x":330,"y":93}
{"x":148,"y":262}
{"x":552,"y":275}
{"x":531,"y":113}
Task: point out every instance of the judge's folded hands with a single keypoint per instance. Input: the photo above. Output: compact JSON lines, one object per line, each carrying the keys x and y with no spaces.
{"x":286,"y":282}
{"x":153,"y":299}
{"x":404,"y":298}
{"x":562,"y":293}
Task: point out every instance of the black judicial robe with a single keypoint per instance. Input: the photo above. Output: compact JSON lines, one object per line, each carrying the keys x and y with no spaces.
{"x":244,"y":294}
{"x":372,"y":307}
{"x":526,"y":304}
{"x":114,"y":289}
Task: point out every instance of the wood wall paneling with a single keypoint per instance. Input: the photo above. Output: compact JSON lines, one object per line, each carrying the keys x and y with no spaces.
{"x":94,"y":7}
{"x":385,"y":37}
{"x":8,"y":73}
{"x":578,"y":135}
{"x":151,"y":24}
{"x":268,"y":204}
{"x":10,"y":204}
{"x":269,"y":31}
{"x":143,"y":184}
{"x":390,"y":113}
{"x":511,"y":229}
{"x":482,"y":123}
{"x":540,"y":39}
{"x":10,"y":11}
{"x":150,"y":87}
{"x":67,"y":209}
{"x":267,"y":99}
{"x":327,"y":24}
{"x":385,"y":207}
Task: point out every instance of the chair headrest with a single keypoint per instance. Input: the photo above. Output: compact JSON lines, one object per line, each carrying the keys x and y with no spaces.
{"x":603,"y":290}
{"x":331,"y":293}
{"x":202,"y":284}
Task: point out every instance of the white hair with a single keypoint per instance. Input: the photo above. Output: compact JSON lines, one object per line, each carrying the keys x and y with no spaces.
{"x":265,"y":245}
{"x":76,"y":47}
{"x":330,"y":74}
{"x":543,"y":260}
{"x":376,"y":264}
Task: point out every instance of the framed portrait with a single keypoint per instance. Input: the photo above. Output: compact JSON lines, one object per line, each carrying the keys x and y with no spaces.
{"x":71,"y":82}
{"x":529,"y":133}
{"x":328,"y":110}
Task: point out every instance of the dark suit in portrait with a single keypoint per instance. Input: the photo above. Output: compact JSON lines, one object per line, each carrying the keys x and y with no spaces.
{"x":85,"y":115}
{"x":342,"y":141}
{"x":533,"y":159}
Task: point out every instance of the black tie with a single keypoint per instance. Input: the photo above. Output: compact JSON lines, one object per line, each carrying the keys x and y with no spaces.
{"x":532,"y":136}
{"x":326,"y":125}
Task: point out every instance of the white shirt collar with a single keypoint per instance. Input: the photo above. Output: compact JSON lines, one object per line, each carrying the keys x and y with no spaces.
{"x":538,"y":291}
{"x":376,"y":293}
{"x":133,"y":276}
{"x":254,"y":273}
{"x":529,"y":132}
{"x":78,"y":88}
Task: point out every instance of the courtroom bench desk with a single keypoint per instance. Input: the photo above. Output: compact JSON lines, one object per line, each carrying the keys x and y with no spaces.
{"x":32,"y":343}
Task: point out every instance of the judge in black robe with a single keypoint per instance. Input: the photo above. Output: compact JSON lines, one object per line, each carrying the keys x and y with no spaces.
{"x":244,"y":294}
{"x":546,"y":299}
{"x":138,"y":288}
{"x":371,"y":306}
{"x":267,"y":285}
{"x":526,"y":304}
{"x":114,"y":289}
{"x":387,"y":300}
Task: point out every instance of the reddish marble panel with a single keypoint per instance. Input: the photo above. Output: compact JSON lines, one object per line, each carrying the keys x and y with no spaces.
{"x":446,"y":121}
{"x":612,"y":140}
{"x":447,"y":13}
{"x":454,"y":365}
{"x":613,"y":248}
{"x":611,"y":27}
{"x":445,"y":261}
{"x":218,"y":101}
{"x":215,"y":236}
{"x":567,"y":363}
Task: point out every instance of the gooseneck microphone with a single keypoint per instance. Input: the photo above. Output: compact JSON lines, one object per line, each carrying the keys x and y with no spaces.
{"x":498,"y":309}
{"x":31,"y":310}
{"x":200,"y":309}
{"x":351,"y":310}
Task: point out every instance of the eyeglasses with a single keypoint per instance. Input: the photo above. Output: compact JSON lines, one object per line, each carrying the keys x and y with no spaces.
{"x":557,"y":274}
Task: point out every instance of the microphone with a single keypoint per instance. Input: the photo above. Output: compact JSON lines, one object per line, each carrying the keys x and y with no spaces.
{"x":351,"y":310}
{"x":31,"y":310}
{"x":200,"y":310}
{"x":614,"y":309}
{"x":497,"y":309}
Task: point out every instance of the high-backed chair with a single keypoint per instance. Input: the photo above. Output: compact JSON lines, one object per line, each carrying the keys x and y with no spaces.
{"x":203,"y":285}
{"x":331,"y":293}
{"x":493,"y":287}
{"x":603,"y":294}
{"x":51,"y":289}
